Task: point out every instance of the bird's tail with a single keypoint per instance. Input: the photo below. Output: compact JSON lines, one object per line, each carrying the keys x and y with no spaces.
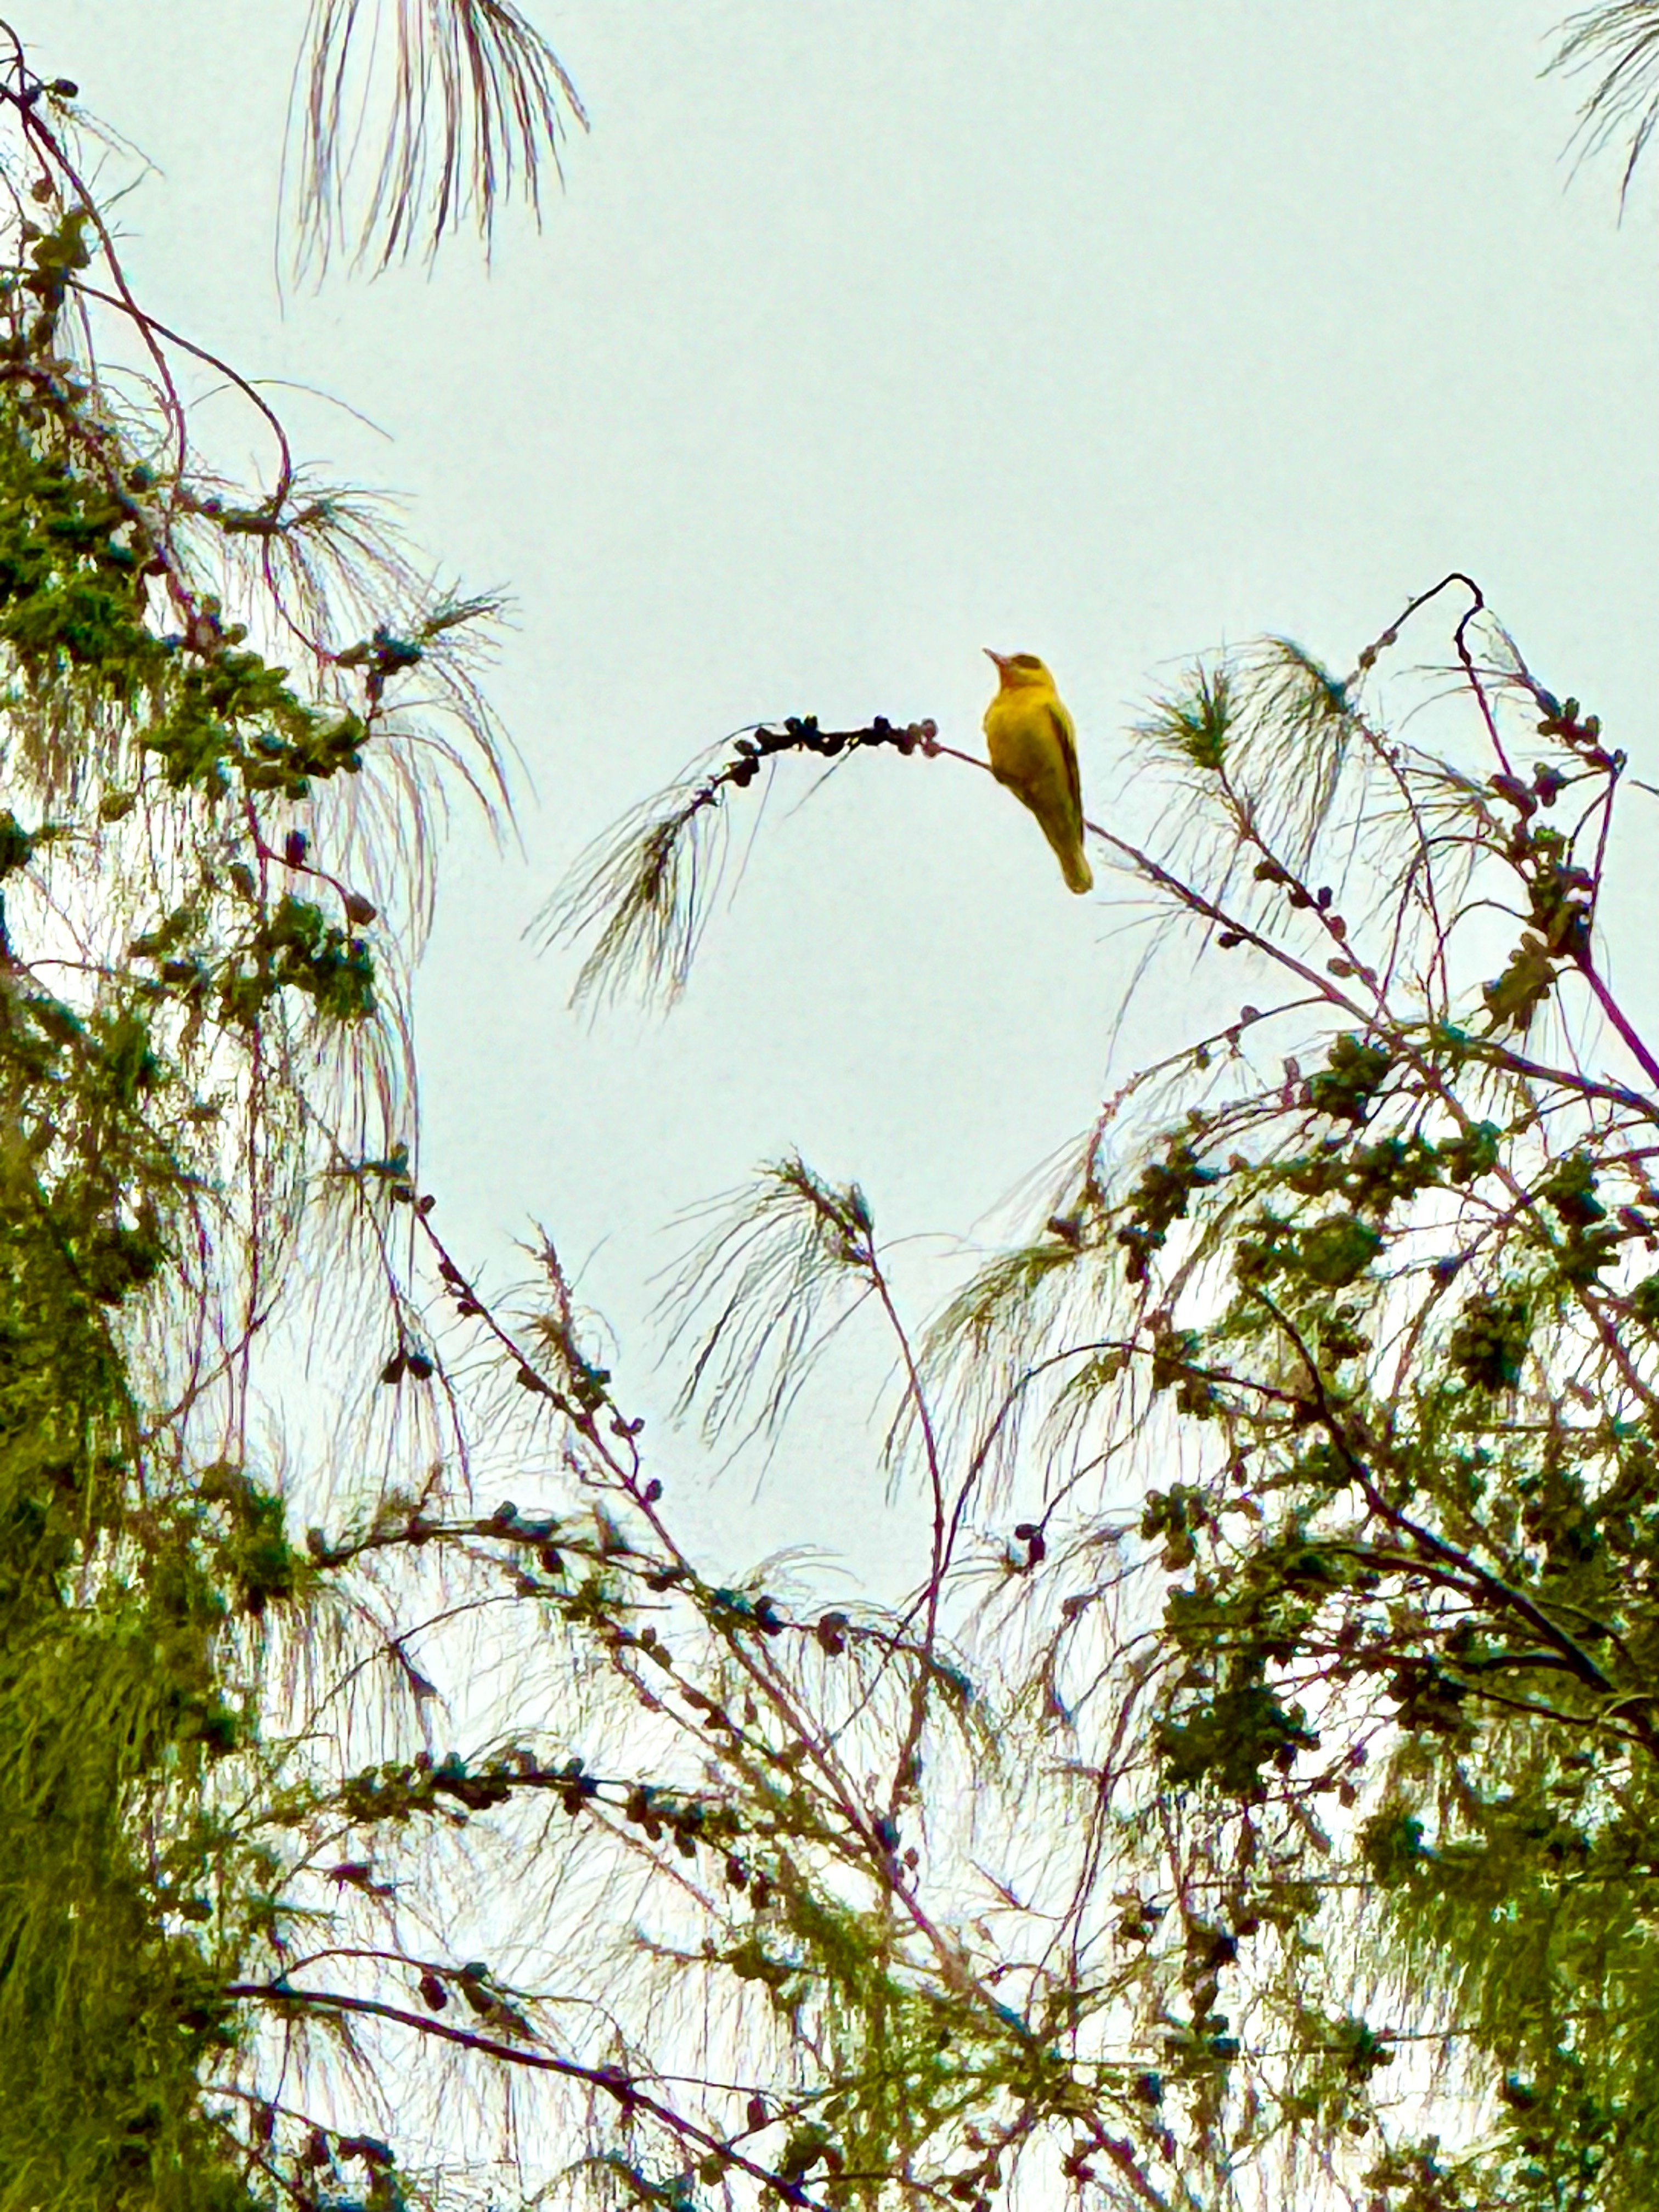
{"x":1080,"y":875}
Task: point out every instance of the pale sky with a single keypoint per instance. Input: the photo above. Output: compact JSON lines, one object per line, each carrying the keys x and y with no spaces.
{"x":864,"y":336}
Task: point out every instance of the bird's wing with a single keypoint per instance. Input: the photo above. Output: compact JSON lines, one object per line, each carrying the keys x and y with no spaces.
{"x":1065,"y":737}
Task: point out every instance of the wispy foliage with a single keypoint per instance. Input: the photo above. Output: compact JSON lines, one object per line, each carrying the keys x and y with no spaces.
{"x":749,"y":1304}
{"x":366,"y":1829}
{"x":642,"y":895}
{"x":415,"y":117}
{"x":1251,"y":1801}
{"x":1618,"y":43}
{"x":1290,"y":1467}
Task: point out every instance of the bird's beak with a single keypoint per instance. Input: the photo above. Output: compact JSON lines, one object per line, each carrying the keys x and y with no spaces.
{"x":1001,"y":658}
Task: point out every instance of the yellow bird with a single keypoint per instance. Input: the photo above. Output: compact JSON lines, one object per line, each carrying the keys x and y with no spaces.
{"x":1034,"y":751}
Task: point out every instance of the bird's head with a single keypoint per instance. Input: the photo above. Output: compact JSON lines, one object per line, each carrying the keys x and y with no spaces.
{"x":1020,"y":670}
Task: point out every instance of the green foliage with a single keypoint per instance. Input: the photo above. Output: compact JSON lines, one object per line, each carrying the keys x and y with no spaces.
{"x":1160,"y":1199}
{"x":110,"y":1699}
{"x":1489,"y":1344}
{"x":1268,"y":1813}
{"x":1359,"y":1699}
{"x":149,"y":1095}
{"x":1415,"y":1583}
{"x":1345,"y":1086}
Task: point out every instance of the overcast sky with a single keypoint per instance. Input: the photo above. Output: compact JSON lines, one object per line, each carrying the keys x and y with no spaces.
{"x":865,"y":335}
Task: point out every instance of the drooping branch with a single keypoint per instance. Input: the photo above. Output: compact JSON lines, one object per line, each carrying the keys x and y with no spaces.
{"x":1621,"y":39}
{"x":471,"y":103}
{"x":644,"y":891}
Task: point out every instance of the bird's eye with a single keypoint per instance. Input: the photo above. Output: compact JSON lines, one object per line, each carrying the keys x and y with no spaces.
{"x":1025,"y":660}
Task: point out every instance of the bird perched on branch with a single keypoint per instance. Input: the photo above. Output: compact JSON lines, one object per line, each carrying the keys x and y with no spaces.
{"x":1034,"y":751}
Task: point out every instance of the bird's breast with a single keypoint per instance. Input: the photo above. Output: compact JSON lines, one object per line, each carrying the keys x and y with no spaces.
{"x":1019,"y":733}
